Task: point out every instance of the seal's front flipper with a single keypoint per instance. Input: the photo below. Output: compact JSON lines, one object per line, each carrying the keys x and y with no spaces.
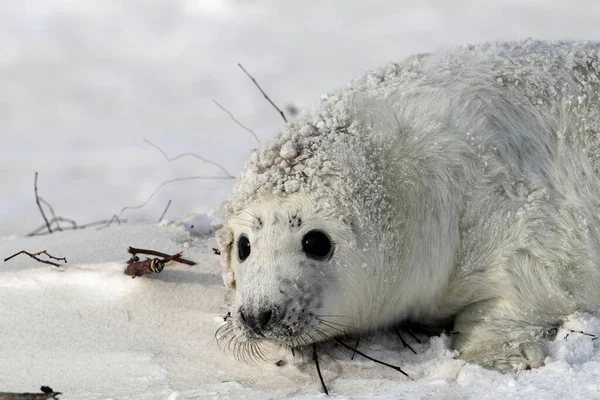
{"x":498,"y":336}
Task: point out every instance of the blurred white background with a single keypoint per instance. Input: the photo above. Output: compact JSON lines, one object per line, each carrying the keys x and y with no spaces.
{"x":82,"y":82}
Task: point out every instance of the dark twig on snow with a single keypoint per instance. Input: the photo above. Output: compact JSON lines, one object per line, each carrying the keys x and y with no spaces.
{"x":188,"y":178}
{"x":373,"y":359}
{"x":38,"y":230}
{"x":34,"y":256}
{"x":216,"y":251}
{"x":54,"y":217}
{"x":74,"y":226}
{"x":228,"y":175}
{"x":47,"y":393}
{"x":164,"y":212}
{"x":114,"y":218}
{"x":237,"y":122}
{"x":37,"y":200}
{"x":404,"y":343}
{"x":179,"y":259}
{"x":414,"y":336}
{"x":594,"y":337}
{"x":355,"y":347}
{"x":316,"y":360}
{"x":263,"y":93}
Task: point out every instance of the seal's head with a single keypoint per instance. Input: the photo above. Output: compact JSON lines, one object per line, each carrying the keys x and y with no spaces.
{"x":286,"y":260}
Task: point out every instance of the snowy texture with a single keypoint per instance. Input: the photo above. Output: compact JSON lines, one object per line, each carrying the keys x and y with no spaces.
{"x":459,"y":186}
{"x":91,"y":332}
{"x":84,"y":82}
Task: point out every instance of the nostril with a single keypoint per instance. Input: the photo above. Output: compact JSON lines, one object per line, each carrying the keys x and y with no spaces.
{"x":242,"y":316}
{"x":263,"y":318}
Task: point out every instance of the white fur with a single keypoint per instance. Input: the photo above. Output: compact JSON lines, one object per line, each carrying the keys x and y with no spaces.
{"x":461,"y":186}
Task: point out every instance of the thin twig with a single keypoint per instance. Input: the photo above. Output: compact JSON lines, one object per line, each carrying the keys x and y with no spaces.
{"x":190,"y":155}
{"x":54,"y":217}
{"x":263,"y":93}
{"x":414,"y":336}
{"x":133,"y":251}
{"x":55,"y":221}
{"x":355,"y":347}
{"x":594,"y":337}
{"x":188,"y":178}
{"x":237,"y":122}
{"x":164,"y":212}
{"x":404,"y":342}
{"x":34,"y":256}
{"x":105,"y":222}
{"x":114,"y":218}
{"x":37,"y":200}
{"x":316,"y":360}
{"x":373,"y":359}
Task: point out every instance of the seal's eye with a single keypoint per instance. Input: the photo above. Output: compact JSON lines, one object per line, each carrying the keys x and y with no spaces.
{"x":243,"y":247}
{"x":317,"y":245}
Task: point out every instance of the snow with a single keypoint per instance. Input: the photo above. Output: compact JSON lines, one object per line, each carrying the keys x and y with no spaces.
{"x":83,"y":83}
{"x":91,"y":332}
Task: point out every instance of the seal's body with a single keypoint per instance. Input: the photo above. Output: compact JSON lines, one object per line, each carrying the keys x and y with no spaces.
{"x":462,"y":186}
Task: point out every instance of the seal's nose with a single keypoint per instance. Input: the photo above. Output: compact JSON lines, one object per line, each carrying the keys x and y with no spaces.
{"x":257,"y":321}
{"x":264,"y":317}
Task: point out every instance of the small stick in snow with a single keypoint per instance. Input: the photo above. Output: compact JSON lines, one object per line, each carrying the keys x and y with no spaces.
{"x":54,"y":217}
{"x":164,"y":212}
{"x":594,"y":337}
{"x":114,"y":218}
{"x":355,"y":347}
{"x":373,"y":359}
{"x":216,"y":251}
{"x":404,"y":343}
{"x":55,"y":220}
{"x":165,"y":183}
{"x":34,"y":256}
{"x":37,"y":200}
{"x":414,"y":336}
{"x":263,"y":93}
{"x":47,"y":393}
{"x":316,"y":360}
{"x":236,"y":121}
{"x":222,"y":168}
{"x":134,"y":251}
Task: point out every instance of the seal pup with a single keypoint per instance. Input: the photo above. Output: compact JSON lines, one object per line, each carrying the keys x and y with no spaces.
{"x":460,"y":187}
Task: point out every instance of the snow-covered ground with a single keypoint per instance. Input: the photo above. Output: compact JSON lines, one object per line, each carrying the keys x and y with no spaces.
{"x":84,"y":82}
{"x":92,"y":332}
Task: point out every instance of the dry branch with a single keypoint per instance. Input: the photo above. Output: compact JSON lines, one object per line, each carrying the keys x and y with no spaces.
{"x":373,"y":359}
{"x":188,"y":178}
{"x":164,"y":212}
{"x":37,"y":200}
{"x":355,"y":347}
{"x":404,"y":343}
{"x":263,"y":93}
{"x":134,"y":251}
{"x":237,"y":122}
{"x":228,"y":175}
{"x":34,"y":256}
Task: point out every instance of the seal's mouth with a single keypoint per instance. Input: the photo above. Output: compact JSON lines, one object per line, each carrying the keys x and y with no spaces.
{"x":245,"y":334}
